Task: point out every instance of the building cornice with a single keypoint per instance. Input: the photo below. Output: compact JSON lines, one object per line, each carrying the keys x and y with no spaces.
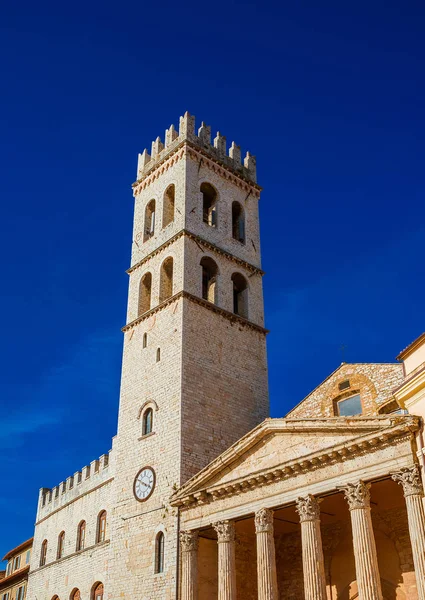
{"x":410,"y":387}
{"x":203,"y":242}
{"x":213,"y":307}
{"x":184,"y":148}
{"x":13,"y":578}
{"x":412,"y":347}
{"x":18,"y":549}
{"x":64,"y":558}
{"x":398,"y":429}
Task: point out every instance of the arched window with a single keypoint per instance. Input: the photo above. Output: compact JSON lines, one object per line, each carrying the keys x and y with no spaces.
{"x":75,"y":594}
{"x":209,"y":279}
{"x":158,"y":354}
{"x":209,"y":204}
{"x":145,"y":340}
{"x":238,"y":222}
{"x":159,"y":552}
{"x":240,"y":295}
{"x":149,"y":220}
{"x":61,"y":544}
{"x":97,"y":591}
{"x":145,"y":293}
{"x":55,"y":597}
{"x":81,"y":535}
{"x":101,"y":527}
{"x":43,"y":553}
{"x":147,"y":421}
{"x":166,"y":280}
{"x":169,"y":203}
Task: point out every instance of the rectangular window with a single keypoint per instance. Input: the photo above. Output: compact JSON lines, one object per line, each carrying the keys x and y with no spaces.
{"x":344,"y":385}
{"x":20,"y":594}
{"x":350,"y":407}
{"x":17,"y":563}
{"x":9,"y":568}
{"x":28,"y":557}
{"x":5,"y":596}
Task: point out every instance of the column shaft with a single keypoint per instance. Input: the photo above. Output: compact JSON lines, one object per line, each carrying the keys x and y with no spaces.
{"x":226,"y":560}
{"x":365,"y":556}
{"x":189,"y":572}
{"x":312,"y":551}
{"x":410,"y":479}
{"x":266,"y":556}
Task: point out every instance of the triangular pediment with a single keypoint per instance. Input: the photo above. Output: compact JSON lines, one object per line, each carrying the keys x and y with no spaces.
{"x":287,"y":443}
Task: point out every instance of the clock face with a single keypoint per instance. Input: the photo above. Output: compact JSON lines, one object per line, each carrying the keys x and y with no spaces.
{"x":144,"y":484}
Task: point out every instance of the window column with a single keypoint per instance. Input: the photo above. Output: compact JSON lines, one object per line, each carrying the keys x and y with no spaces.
{"x":189,"y":550}
{"x":266,"y":558}
{"x":367,"y":571}
{"x":226,"y":560}
{"x":410,"y":479}
{"x":312,"y":551}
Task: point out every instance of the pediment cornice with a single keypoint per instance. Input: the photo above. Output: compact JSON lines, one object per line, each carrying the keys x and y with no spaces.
{"x":369,"y":435}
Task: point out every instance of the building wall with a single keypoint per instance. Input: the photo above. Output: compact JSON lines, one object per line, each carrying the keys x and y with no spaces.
{"x":62,"y":509}
{"x":374,"y":382}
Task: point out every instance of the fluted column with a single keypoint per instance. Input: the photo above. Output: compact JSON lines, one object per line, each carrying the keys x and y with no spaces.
{"x":367,"y":571}
{"x":266,"y":557}
{"x":410,"y":479}
{"x":226,"y":560}
{"x":189,"y":556}
{"x":311,"y":539}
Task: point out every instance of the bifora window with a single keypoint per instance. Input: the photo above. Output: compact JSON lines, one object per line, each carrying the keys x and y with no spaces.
{"x":350,"y":407}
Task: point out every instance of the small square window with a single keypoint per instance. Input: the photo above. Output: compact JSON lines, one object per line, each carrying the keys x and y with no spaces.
{"x":350,"y":407}
{"x":344,"y":385}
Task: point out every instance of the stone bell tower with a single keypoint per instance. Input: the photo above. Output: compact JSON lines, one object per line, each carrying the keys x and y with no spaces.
{"x":194,"y":373}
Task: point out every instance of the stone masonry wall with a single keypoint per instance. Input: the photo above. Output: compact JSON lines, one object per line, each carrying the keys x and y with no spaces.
{"x":374,"y":383}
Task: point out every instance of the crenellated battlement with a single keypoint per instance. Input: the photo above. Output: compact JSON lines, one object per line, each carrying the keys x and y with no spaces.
{"x":217,"y":150}
{"x":81,"y":482}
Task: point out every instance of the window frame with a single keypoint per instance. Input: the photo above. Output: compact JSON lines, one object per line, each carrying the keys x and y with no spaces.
{"x":43,"y":553}
{"x":339,"y":401}
{"x":81,"y":536}
{"x":101,"y":527}
{"x":159,"y":566}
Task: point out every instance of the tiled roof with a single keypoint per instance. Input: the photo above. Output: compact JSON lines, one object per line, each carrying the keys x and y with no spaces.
{"x":18,"y":549}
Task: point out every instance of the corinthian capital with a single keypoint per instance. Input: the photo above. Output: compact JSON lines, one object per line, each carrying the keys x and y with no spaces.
{"x":357,"y":494}
{"x":308,"y":508}
{"x":189,"y":541}
{"x":263,"y":520}
{"x":410,"y":479}
{"x":225,"y":531}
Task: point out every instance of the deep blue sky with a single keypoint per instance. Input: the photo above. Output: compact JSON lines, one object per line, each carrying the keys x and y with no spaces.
{"x":329,"y":96}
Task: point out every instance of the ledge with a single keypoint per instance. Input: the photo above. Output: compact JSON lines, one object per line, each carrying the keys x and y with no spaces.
{"x":73,"y":554}
{"x":221,"y":311}
{"x":200,"y":240}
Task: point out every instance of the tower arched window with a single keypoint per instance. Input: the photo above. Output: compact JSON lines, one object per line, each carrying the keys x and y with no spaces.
{"x":166,"y":280}
{"x":147,"y":421}
{"x":101,"y":527}
{"x":75,"y":594}
{"x":238,"y":222}
{"x":145,"y":293}
{"x":240,"y":295}
{"x":97,"y":591}
{"x":61,"y":544}
{"x":209,"y":279}
{"x":81,"y":536}
{"x":149,"y":220}
{"x":159,"y":552}
{"x":43,"y":553}
{"x":209,"y":204}
{"x":169,"y":205}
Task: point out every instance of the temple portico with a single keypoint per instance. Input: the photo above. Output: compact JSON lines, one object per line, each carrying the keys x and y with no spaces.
{"x":297,"y":532}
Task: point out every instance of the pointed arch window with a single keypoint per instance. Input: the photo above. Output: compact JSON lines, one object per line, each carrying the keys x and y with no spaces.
{"x":145,"y":293}
{"x":238,"y":222}
{"x":81,"y":536}
{"x":159,"y":552}
{"x":209,"y":204}
{"x":101,"y":527}
{"x":147,"y":421}
{"x":169,"y":205}
{"x":149,"y":220}
{"x":61,"y":545}
{"x":240,"y":295}
{"x":166,"y":280}
{"x":43,"y":553}
{"x":209,"y":279}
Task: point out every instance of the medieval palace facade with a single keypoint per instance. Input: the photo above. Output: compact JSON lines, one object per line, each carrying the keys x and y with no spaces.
{"x":202,"y":496}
